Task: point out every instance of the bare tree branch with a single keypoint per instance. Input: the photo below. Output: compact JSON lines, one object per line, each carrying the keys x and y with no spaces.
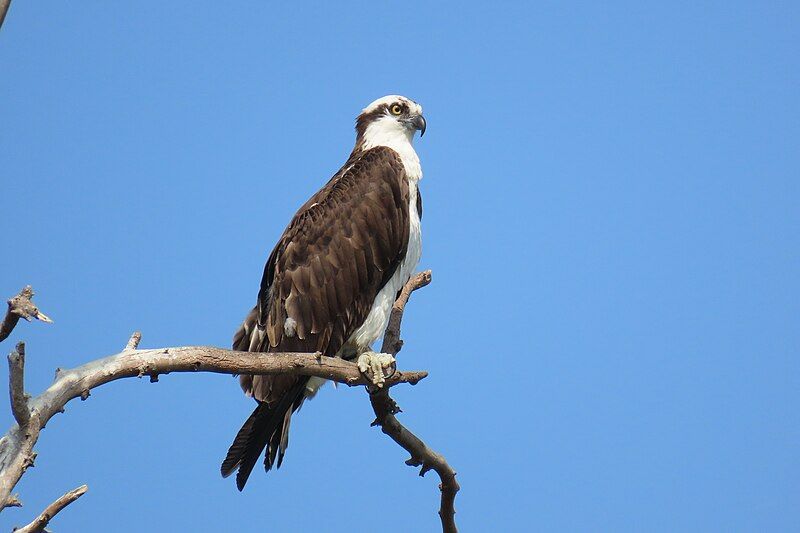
{"x":385,"y":408}
{"x":134,"y":341}
{"x":16,"y":386}
{"x":391,"y":338}
{"x":13,"y":501}
{"x":19,"y":306}
{"x":4,"y":5}
{"x":41,"y":521}
{"x":16,"y":447}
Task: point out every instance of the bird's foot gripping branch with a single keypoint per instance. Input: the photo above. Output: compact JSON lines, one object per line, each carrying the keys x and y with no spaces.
{"x":33,"y":413}
{"x":377,"y":367}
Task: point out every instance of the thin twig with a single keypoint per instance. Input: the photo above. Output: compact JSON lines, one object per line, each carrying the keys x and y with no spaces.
{"x":41,"y":521}
{"x":391,"y":339}
{"x":134,"y":341}
{"x":16,"y":386}
{"x":385,"y":408}
{"x":20,"y":306}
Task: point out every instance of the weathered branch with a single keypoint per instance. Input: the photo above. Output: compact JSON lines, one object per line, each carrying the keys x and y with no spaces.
{"x":19,"y":306}
{"x":16,"y":447}
{"x":134,"y":341}
{"x":12,"y":501}
{"x":385,"y":408}
{"x":16,"y":386}
{"x":391,"y":338}
{"x":4,"y":5}
{"x":41,"y":521}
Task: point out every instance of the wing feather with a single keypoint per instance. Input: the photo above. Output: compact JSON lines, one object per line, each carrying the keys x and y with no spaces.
{"x":339,"y":250}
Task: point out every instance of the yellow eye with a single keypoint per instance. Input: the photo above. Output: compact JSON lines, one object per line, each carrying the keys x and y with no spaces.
{"x":396,"y":109}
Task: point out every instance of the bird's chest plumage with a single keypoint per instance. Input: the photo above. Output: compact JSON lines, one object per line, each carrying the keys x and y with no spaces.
{"x":378,"y":317}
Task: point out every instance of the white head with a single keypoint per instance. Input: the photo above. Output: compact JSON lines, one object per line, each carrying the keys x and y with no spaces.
{"x":389,"y":120}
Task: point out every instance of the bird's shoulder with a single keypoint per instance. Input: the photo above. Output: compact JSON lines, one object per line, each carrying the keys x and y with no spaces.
{"x":350,"y":235}
{"x":363,"y":170}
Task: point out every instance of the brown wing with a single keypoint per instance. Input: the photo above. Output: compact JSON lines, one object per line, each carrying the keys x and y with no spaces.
{"x":337,"y":253}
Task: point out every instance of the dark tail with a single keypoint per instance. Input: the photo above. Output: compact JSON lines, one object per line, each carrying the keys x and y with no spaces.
{"x":264,"y":426}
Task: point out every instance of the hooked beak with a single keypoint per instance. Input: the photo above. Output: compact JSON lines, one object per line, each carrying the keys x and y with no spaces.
{"x":418,"y":121}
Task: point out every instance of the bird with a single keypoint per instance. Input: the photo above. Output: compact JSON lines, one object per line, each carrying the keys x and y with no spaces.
{"x":330,"y":281}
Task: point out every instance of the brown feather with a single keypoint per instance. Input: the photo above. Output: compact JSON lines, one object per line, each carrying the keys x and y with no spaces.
{"x":341,"y":247}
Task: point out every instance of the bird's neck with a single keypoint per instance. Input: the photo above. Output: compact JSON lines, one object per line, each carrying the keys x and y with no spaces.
{"x":398,"y":139}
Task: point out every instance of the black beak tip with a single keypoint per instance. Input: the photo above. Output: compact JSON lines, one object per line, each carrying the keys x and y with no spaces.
{"x":421,"y":125}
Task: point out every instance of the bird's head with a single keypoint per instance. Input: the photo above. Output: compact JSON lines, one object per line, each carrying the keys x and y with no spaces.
{"x":388,"y":117}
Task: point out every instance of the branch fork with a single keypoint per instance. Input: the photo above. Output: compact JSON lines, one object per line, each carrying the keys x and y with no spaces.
{"x":31,"y":414}
{"x":385,"y":408}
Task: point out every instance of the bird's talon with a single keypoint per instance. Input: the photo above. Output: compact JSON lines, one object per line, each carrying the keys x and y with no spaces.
{"x":372,"y":365}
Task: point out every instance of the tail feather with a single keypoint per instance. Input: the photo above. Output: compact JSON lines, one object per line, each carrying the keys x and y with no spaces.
{"x":242,"y":441}
{"x":264,"y":425}
{"x":259,"y":437}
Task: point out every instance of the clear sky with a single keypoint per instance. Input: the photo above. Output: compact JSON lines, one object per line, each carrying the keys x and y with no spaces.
{"x":611,"y":215}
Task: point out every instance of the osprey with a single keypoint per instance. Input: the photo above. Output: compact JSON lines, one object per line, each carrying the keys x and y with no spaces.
{"x":330,"y":282}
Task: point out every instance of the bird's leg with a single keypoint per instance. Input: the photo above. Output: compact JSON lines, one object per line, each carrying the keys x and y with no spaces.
{"x":374,"y":366}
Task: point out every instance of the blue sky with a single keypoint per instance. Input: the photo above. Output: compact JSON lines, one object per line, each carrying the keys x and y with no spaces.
{"x":611,"y":216}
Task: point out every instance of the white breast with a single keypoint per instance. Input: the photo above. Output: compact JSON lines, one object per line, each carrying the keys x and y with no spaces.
{"x":385,"y":133}
{"x":378,"y":317}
